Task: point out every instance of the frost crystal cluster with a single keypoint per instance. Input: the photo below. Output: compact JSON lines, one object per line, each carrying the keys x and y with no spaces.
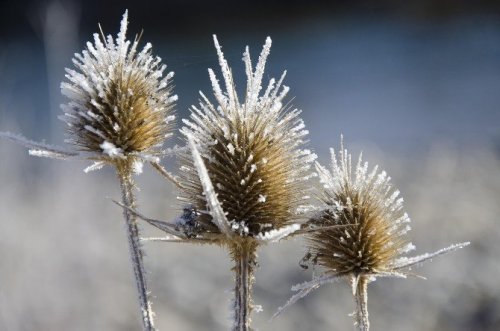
{"x":252,"y":151}
{"x":120,"y":102}
{"x":364,"y":232}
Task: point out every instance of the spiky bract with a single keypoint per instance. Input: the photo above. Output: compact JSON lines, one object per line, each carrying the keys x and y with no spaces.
{"x":252,"y":151}
{"x":120,"y":104}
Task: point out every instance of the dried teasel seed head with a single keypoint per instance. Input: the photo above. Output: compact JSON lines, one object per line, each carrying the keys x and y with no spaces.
{"x":253,"y":151}
{"x":120,"y":104}
{"x":361,"y":233}
{"x":373,"y":235}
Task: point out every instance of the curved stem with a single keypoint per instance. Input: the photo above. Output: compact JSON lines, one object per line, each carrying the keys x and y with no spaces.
{"x":245,"y":260}
{"x":127,"y":185}
{"x":362,"y":305}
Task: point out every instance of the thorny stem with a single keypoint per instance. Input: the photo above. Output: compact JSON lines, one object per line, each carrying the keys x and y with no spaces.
{"x":361,"y":297}
{"x":245,"y":260}
{"x":124,"y":172}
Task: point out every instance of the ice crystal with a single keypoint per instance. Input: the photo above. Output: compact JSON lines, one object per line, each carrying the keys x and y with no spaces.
{"x":277,"y":235}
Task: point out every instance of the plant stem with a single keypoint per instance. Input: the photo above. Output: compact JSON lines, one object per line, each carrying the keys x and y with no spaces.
{"x":124,"y":172}
{"x":362,"y":305}
{"x":245,"y":260}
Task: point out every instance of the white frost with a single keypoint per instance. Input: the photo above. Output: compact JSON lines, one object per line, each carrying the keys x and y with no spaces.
{"x":230,"y":148}
{"x":94,"y":166}
{"x":137,"y":167}
{"x":278,"y":234}
{"x":111,"y":150}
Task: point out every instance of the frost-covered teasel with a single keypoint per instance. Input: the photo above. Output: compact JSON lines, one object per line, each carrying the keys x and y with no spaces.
{"x":244,"y":175}
{"x":247,"y":168}
{"x":370,"y":239}
{"x":119,"y":113}
{"x":253,"y":151}
{"x":120,"y":103}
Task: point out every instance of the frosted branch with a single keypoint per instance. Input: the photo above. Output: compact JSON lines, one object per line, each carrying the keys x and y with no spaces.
{"x":39,"y":149}
{"x":278,"y":234}
{"x":296,"y":297}
{"x":406,"y":262}
{"x":325,"y":279}
{"x":164,"y":226}
{"x":304,"y":289}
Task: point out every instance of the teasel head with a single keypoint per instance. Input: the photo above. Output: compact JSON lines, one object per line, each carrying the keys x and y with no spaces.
{"x":365,"y":231}
{"x":374,"y":226}
{"x":253,"y":152}
{"x":120,"y":105}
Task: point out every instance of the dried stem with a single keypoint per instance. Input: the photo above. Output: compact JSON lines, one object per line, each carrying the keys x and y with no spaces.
{"x":245,"y":260}
{"x":361,"y":297}
{"x":124,"y":171}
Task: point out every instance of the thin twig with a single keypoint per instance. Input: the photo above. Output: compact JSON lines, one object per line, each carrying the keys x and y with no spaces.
{"x":39,"y":149}
{"x":406,"y":262}
{"x":164,"y":226}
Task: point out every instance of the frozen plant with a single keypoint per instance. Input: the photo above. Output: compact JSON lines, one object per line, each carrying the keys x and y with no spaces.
{"x":119,"y":113}
{"x":373,"y":242}
{"x":244,"y":177}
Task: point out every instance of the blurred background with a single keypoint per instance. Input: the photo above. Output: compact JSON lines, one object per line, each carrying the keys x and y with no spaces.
{"x":414,"y":84}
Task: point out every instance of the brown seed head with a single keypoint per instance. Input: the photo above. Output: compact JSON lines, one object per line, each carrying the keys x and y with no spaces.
{"x":374,"y":226}
{"x":252,"y":153}
{"x":119,"y":103}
